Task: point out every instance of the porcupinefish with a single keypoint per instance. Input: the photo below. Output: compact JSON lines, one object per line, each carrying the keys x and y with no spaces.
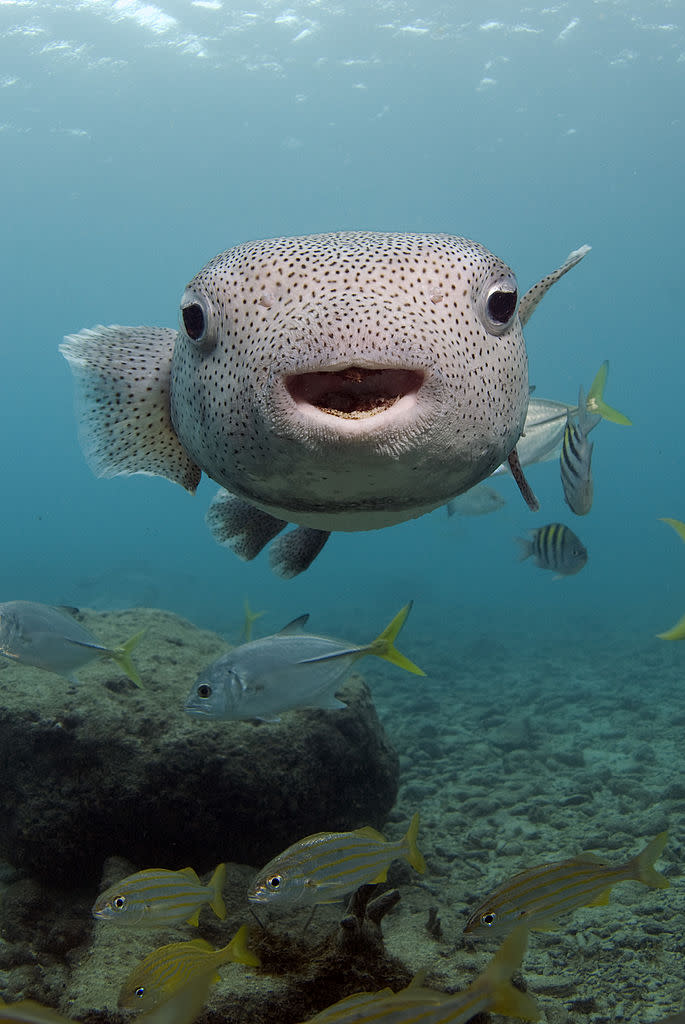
{"x":343,"y":381}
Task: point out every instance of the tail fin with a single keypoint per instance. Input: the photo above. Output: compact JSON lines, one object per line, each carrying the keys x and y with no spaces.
{"x":414,"y":855}
{"x":238,"y":952}
{"x":122,"y":656}
{"x":595,"y":400}
{"x":250,"y":618}
{"x":677,"y":526}
{"x":216,"y":884}
{"x":496,"y":979}
{"x":383,"y":645}
{"x":526,"y":548}
{"x":645,"y":871}
{"x":676,"y":632}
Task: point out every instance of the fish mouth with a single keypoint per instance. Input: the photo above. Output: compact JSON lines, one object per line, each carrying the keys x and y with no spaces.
{"x":353,"y":392}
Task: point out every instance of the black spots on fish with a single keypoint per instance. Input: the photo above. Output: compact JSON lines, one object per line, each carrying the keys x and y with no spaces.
{"x":123,"y":403}
{"x":240,"y":526}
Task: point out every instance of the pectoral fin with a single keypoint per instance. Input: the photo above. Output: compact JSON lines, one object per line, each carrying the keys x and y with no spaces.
{"x":295,"y":551}
{"x":122,"y":377}
{"x":240,"y":526}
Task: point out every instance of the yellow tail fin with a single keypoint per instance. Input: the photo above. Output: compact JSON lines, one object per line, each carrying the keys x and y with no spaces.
{"x":383,"y":645}
{"x":645,"y":871}
{"x":496,"y":979}
{"x":250,"y":618}
{"x":677,"y":526}
{"x":414,"y":855}
{"x":595,"y":400}
{"x":122,"y":656}
{"x":216,"y":884}
{"x":676,"y":632}
{"x":238,"y":952}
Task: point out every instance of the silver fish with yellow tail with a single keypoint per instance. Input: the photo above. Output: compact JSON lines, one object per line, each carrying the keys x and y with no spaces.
{"x":287,"y":671}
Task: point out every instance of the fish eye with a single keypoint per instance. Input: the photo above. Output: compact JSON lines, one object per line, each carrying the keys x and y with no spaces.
{"x":195,"y":320}
{"x":498,"y":303}
{"x":204,"y":690}
{"x":274,"y":881}
{"x":119,"y":902}
{"x":488,"y":919}
{"x":140,"y":992}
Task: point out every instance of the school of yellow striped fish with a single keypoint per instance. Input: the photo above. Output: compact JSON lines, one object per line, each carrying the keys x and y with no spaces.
{"x":292,"y":669}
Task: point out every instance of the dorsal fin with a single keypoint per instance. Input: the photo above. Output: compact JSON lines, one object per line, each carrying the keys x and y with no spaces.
{"x":296,"y":626}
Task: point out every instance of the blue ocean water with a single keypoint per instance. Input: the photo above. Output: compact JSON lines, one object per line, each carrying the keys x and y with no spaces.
{"x":139,"y":140}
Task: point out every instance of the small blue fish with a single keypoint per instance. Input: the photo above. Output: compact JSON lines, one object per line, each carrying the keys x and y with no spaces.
{"x":286,"y":671}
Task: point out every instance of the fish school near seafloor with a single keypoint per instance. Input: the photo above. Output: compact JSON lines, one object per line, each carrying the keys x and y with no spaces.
{"x":289,"y":670}
{"x":316,"y":410}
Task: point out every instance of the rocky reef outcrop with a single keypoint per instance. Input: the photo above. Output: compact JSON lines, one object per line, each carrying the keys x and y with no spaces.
{"x":103,"y":768}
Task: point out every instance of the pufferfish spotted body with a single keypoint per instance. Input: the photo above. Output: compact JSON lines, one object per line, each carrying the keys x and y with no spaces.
{"x":343,"y":381}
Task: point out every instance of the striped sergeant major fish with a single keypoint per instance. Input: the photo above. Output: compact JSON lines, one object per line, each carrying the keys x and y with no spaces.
{"x":157,"y":898}
{"x":554,"y":547}
{"x":323,"y":868}
{"x":491,"y":991}
{"x":546,"y":419}
{"x":541,"y":894}
{"x":575,"y":461}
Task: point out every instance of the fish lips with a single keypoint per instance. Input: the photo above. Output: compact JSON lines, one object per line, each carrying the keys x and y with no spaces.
{"x":355,"y":399}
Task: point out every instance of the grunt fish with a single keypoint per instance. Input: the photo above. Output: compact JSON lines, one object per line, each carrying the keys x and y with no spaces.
{"x":324,"y":867}
{"x":28,"y":1011}
{"x":491,"y":991}
{"x":156,"y":898}
{"x":541,"y":894}
{"x":45,"y":637}
{"x":554,"y":547}
{"x":341,"y":381}
{"x":286,"y":671}
{"x":167,"y":970}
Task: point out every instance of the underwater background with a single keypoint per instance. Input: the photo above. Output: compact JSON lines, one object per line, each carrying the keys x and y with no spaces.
{"x":137,"y":141}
